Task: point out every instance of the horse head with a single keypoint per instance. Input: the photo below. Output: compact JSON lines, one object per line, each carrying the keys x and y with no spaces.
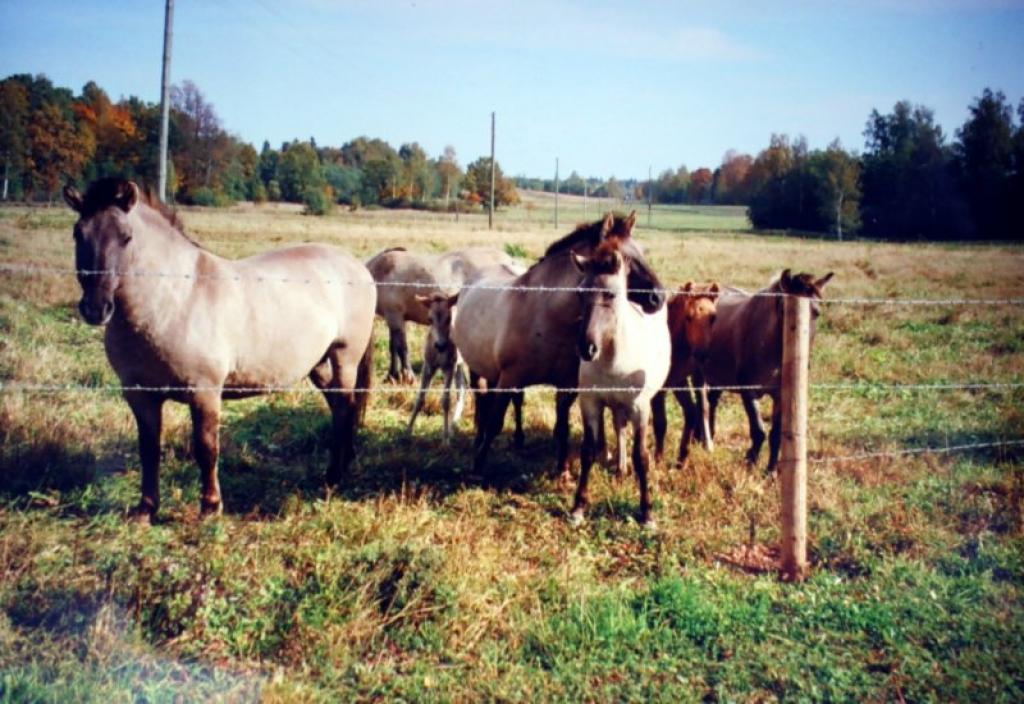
{"x":804,"y":284}
{"x":440,"y":309}
{"x":603,"y":293}
{"x":698,"y":306}
{"x":103,"y":242}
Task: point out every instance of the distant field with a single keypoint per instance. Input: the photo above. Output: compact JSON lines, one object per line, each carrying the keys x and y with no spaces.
{"x":415,"y":583}
{"x":539,"y":208}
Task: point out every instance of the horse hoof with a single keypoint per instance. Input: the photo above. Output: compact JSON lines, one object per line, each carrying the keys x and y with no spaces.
{"x":210,"y":508}
{"x":649,"y":525}
{"x":576,"y":518}
{"x":565,"y":480}
{"x":141,"y":515}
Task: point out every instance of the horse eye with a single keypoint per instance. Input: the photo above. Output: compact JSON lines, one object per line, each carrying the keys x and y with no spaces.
{"x":609,"y":295}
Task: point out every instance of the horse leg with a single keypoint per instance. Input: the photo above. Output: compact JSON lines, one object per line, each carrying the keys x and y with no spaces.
{"x":460,"y":394}
{"x":689,"y":421}
{"x":619,"y":424}
{"x":641,"y":464}
{"x":593,"y":418}
{"x":407,"y":376}
{"x":563,"y":402}
{"x":448,"y":374}
{"x":148,"y":411}
{"x":713,"y":398}
{"x":394,"y":337}
{"x":205,"y":410}
{"x":337,"y":380}
{"x":480,"y":405}
{"x":518,"y":440}
{"x":425,"y":378}
{"x":774,"y":435}
{"x":601,"y":451}
{"x":757,"y":433}
{"x":494,"y":420}
{"x":660,"y":424}
{"x":705,"y":418}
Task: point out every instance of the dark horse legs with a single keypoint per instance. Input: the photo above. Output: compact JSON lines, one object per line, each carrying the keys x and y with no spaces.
{"x":691,"y":424}
{"x":205,"y":409}
{"x":337,"y":381}
{"x":757,"y":433}
{"x":148,"y":411}
{"x":399,"y":369}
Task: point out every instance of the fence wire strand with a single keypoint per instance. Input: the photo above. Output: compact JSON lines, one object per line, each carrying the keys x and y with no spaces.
{"x":860,"y":456}
{"x":32,"y":388}
{"x":34,"y":269}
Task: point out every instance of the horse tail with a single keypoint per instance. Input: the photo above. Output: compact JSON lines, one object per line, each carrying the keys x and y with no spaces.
{"x":364,"y":381}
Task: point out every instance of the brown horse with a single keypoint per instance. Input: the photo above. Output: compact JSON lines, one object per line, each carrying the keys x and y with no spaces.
{"x":746,"y":350}
{"x":691,"y":319}
{"x":513,"y":338}
{"x":402,"y":275}
{"x":208,"y":328}
{"x":625,"y":357}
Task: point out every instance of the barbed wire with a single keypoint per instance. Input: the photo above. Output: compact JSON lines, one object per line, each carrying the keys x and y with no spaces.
{"x":35,"y":269}
{"x":914,"y":451}
{"x":33,"y":388}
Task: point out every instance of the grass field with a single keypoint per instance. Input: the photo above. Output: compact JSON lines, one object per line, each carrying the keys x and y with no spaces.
{"x":414,"y":583}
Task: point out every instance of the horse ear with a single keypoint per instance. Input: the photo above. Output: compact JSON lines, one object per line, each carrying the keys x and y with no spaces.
{"x":606,"y":226}
{"x":127,"y":196}
{"x":629,"y":222}
{"x":713,"y":289}
{"x":73,"y":198}
{"x":820,"y":283}
{"x":453,"y":299}
{"x":687,"y":287}
{"x":786,"y":279}
{"x":579,"y":261}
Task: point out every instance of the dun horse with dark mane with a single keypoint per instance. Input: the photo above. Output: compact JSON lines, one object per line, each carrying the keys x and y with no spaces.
{"x":517,"y":337}
{"x":746,"y":350}
{"x":207,"y":328}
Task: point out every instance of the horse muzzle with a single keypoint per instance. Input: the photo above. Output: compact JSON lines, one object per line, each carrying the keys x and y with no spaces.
{"x":96,"y":314}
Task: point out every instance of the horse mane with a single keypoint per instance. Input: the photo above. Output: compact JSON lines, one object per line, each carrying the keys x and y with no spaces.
{"x":106,"y":192}
{"x":586,"y":232}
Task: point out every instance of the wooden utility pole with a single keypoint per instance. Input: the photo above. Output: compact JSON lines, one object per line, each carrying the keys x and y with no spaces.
{"x":490,"y":210}
{"x":586,"y":187}
{"x":165,"y":99}
{"x":650,"y":182}
{"x":556,"y":192}
{"x":796,"y":349}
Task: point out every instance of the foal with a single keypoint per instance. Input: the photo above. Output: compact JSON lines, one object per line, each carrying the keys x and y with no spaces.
{"x":625,"y":356}
{"x":440,"y":353}
{"x":691,"y":318}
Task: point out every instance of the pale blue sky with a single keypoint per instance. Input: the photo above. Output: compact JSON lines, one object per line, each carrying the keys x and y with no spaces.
{"x":608,"y":87}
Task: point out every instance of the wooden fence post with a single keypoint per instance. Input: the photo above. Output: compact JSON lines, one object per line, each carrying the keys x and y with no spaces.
{"x":796,"y":347}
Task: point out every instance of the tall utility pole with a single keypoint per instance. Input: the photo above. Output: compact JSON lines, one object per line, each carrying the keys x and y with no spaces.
{"x":556,"y":192}
{"x":650,"y":184}
{"x":165,"y":99}
{"x":490,"y":210}
{"x":586,"y":187}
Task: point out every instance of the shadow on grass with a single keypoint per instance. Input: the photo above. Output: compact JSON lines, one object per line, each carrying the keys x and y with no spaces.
{"x":275,"y":453}
{"x":36,"y":468}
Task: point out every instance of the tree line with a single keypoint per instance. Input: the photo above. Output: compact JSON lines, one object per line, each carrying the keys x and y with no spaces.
{"x":50,"y":136}
{"x":910,"y":182}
